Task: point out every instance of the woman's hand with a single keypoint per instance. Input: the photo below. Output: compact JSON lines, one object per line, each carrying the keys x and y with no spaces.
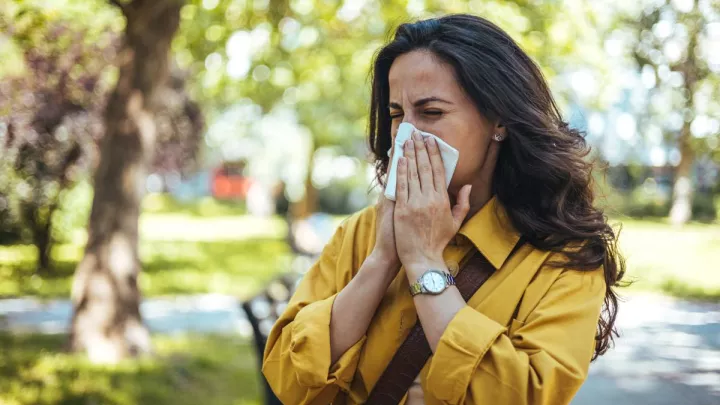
{"x":424,"y":220}
{"x":385,"y":250}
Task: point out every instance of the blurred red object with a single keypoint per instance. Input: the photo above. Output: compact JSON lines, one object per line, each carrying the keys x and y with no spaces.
{"x":229,"y":181}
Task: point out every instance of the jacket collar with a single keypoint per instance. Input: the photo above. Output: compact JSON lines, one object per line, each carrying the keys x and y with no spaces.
{"x":491,"y":232}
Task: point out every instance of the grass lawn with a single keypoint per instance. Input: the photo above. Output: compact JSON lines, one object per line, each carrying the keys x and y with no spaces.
{"x":184,"y":251}
{"x":683,"y":262}
{"x":186,"y":370}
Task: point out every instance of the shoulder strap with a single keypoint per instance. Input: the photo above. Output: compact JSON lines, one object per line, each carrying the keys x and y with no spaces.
{"x":415,"y":351}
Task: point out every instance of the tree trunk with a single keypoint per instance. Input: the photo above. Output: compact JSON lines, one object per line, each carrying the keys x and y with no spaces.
{"x":40,"y":227}
{"x":681,"y":210}
{"x":106,"y":322}
{"x":309,"y":203}
{"x":42,"y":239}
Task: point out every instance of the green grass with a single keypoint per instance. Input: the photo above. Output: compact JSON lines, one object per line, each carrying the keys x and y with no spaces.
{"x":185,"y":370}
{"x":683,"y":262}
{"x":158,"y":203}
{"x":181,"y":253}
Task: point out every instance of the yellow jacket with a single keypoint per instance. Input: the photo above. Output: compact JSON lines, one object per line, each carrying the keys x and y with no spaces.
{"x":525,"y":337}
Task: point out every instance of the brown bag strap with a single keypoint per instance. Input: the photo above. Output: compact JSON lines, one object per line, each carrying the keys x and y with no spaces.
{"x":415,"y":351}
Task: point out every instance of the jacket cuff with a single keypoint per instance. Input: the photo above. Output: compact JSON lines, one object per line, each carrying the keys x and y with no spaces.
{"x":462,"y":345}
{"x":310,"y":348}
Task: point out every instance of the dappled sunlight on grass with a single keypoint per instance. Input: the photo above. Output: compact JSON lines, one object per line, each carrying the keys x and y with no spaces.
{"x":228,"y":255}
{"x":678,"y":261}
{"x":235,"y":267}
{"x":172,"y":227}
{"x":204,"y":207}
{"x":189,"y":369}
{"x":17,"y":274}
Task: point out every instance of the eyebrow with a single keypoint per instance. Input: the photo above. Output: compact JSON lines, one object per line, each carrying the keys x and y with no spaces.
{"x":420,"y":102}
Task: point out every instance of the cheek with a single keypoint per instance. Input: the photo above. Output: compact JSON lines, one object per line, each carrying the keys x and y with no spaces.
{"x":472,"y":158}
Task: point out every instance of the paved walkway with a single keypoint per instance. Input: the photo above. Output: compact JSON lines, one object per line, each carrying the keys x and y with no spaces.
{"x":668,"y":352}
{"x":198,"y":313}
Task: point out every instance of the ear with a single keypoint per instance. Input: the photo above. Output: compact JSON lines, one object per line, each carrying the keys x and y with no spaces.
{"x":499,"y":133}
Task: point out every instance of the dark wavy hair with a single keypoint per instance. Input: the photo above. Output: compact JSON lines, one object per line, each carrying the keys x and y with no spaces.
{"x":543,"y":177}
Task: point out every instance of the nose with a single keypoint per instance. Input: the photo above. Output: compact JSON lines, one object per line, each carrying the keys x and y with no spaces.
{"x":407,"y":118}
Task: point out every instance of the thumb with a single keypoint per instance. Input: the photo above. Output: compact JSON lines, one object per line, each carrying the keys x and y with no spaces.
{"x":461,"y":208}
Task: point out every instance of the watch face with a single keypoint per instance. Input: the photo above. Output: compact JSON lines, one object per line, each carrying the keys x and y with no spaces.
{"x":434,"y":282}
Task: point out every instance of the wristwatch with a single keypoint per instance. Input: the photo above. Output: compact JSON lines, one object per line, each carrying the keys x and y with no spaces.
{"x":432,"y":282}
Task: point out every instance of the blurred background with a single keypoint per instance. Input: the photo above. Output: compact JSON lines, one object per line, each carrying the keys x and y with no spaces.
{"x":235,"y":131}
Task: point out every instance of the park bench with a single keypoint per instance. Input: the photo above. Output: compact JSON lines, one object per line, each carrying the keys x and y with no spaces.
{"x":306,"y":240}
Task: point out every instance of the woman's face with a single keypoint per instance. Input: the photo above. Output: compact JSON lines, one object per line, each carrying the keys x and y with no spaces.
{"x":424,"y":92}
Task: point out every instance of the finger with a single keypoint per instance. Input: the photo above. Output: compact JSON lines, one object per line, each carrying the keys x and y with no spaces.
{"x":401,"y":193}
{"x":437,"y":165}
{"x":425,"y":170}
{"x":462,"y":207}
{"x":412,"y":173}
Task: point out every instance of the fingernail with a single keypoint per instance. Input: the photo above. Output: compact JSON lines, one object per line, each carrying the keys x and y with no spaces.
{"x":409,"y":144}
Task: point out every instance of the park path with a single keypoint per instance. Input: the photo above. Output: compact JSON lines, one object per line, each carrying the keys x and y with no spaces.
{"x":668,"y":352}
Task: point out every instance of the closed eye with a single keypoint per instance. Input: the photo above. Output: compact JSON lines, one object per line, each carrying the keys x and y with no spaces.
{"x":435,"y":113}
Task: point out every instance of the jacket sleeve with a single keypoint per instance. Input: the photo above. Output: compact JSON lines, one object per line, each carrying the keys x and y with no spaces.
{"x":541,"y":361}
{"x":296,"y":361}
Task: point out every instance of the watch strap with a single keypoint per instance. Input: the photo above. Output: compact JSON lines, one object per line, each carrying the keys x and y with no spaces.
{"x":415,"y":288}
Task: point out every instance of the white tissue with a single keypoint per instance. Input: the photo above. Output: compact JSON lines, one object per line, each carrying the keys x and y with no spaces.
{"x":449,"y":155}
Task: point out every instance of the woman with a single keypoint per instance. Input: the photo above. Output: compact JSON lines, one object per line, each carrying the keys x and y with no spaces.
{"x":521,"y":196}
